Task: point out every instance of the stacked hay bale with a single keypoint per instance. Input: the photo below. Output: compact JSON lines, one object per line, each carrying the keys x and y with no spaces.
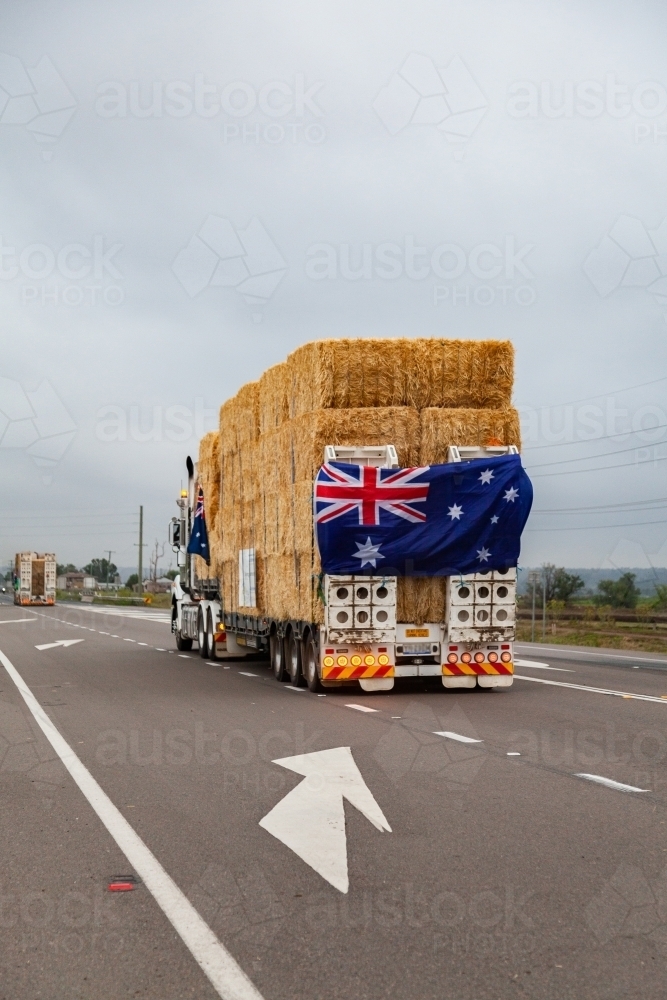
{"x":419,"y":395}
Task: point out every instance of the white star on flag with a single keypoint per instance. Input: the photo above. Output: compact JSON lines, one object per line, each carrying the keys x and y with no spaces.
{"x":483,"y":554}
{"x":455,"y":513}
{"x":494,"y":519}
{"x":368,"y":553}
{"x":486,"y":477}
{"x":510,"y":494}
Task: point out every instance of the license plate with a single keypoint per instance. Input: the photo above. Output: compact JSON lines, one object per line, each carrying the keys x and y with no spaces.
{"x":416,"y":648}
{"x":416,"y":633}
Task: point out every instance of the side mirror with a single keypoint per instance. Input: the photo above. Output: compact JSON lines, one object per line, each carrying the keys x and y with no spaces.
{"x":175,"y":533}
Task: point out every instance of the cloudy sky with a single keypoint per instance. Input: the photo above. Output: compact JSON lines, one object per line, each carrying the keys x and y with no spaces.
{"x":189,"y":192}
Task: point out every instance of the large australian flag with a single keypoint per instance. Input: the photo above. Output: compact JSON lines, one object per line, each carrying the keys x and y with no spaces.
{"x":198,"y":545}
{"x":438,"y":520}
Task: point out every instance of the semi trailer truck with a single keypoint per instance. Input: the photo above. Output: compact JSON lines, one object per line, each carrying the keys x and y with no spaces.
{"x":263,"y":587}
{"x":34,"y":578}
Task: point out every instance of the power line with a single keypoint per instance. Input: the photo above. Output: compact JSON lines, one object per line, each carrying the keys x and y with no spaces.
{"x":585,"y":458}
{"x":595,"y":527}
{"x":628,"y":503}
{"x":602,"y":468}
{"x":604,"y":437}
{"x":600,"y":395}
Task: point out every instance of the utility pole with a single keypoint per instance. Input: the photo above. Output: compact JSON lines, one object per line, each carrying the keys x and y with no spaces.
{"x":141,"y":551}
{"x":532,"y":578}
{"x":108,"y":564}
{"x":544,"y":605}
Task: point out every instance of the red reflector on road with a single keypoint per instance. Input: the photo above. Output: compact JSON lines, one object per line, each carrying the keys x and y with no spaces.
{"x":122,"y":883}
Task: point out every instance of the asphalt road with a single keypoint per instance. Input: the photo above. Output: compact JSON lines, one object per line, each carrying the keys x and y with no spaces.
{"x":504,"y":874}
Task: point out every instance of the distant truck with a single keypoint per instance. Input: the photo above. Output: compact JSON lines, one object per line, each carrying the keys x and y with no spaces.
{"x":34,"y":578}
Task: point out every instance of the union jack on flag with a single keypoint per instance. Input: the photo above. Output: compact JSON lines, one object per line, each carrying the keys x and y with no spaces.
{"x":369,"y":490}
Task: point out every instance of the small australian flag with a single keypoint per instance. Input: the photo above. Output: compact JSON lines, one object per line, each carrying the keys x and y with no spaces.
{"x":199,"y":538}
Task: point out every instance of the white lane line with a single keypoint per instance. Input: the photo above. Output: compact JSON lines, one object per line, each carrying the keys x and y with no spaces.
{"x":159,"y":650}
{"x":457,"y":736}
{"x":362,"y":708}
{"x":542,"y":666}
{"x":288,"y":687}
{"x":183,"y":656}
{"x":592,"y":690}
{"x":246,"y":674}
{"x":228,"y":978}
{"x":583,"y":653}
{"x":513,"y":753}
{"x":11,"y":621}
{"x":125,"y":639}
{"x":609,"y":783}
{"x":142,"y":644}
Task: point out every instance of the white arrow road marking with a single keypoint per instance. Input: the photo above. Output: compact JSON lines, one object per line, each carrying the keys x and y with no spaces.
{"x":610,"y":783}
{"x":10,"y":621}
{"x":457,"y":736}
{"x":310,"y":820}
{"x":228,"y":979}
{"x":542,"y":666}
{"x":60,"y":642}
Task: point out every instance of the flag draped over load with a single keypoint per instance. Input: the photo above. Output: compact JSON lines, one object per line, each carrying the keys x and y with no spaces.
{"x":437,"y":520}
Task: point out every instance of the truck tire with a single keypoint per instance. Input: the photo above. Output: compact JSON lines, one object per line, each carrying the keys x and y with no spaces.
{"x":183,"y":644}
{"x":210,"y":637}
{"x":293,"y":660}
{"x":277,"y":653}
{"x":310,"y":665}
{"x":201,"y":635}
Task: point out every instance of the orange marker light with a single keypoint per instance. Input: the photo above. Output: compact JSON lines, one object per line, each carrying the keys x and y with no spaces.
{"x":479,"y":657}
{"x":342,"y":661}
{"x":383,"y":659}
{"x":466,"y":657}
{"x":369,"y":660}
{"x":452,"y":658}
{"x":506,"y":657}
{"x":328,"y":661}
{"x":356,"y":661}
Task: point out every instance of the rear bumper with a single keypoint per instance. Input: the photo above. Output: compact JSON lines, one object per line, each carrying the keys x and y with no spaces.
{"x":350,"y":673}
{"x":477,"y":669}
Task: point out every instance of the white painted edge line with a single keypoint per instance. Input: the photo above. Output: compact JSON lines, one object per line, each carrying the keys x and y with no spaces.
{"x":457,"y":736}
{"x":542,"y":666}
{"x":288,"y":687}
{"x":226,"y":976}
{"x":610,"y":783}
{"x":362,"y":708}
{"x":246,"y":674}
{"x":585,"y":652}
{"x":12,"y":621}
{"x":592,"y":690}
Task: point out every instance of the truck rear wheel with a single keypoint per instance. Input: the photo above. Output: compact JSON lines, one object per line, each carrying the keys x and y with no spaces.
{"x":183,"y":644}
{"x":210,"y":636}
{"x":310,"y":665}
{"x":277,"y":653}
{"x":293,"y":651}
{"x":201,"y":635}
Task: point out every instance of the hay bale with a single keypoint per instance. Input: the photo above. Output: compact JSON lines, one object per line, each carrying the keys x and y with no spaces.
{"x":459,"y":373}
{"x":348,"y":374}
{"x":294,"y":452}
{"x":420,"y":599}
{"x":441,"y":427}
{"x":345,"y":374}
{"x":273,"y":405}
{"x":239,"y":419}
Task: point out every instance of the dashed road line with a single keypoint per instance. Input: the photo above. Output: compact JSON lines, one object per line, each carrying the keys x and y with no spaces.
{"x":542,"y":666}
{"x":457,"y":736}
{"x":246,"y":674}
{"x":362,"y":708}
{"x":618,"y":786}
